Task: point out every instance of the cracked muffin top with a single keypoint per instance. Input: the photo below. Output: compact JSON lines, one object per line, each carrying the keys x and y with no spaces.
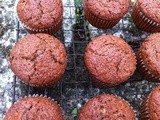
{"x":34,"y":108}
{"x":39,"y":14}
{"x":38,"y":59}
{"x":151,"y":8}
{"x":107,"y":9}
{"x":150,"y":52}
{"x":106,"y":107}
{"x":109,"y":60}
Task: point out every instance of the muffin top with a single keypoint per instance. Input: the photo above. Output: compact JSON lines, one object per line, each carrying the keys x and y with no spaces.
{"x":38,"y":59}
{"x":110,"y":60}
{"x":154,"y":104}
{"x":34,"y":108}
{"x":106,"y":107}
{"x":151,"y":8}
{"x":150,"y":52}
{"x":107,"y":9}
{"x":39,"y":14}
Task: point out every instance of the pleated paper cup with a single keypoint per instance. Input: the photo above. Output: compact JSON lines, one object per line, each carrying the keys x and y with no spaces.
{"x":100,"y":23}
{"x":144,"y":71}
{"x":143,"y":22}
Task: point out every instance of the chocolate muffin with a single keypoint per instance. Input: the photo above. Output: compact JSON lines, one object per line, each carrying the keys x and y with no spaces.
{"x":34,"y":108}
{"x":146,"y":15}
{"x":148,"y":58}
{"x":105,"y":14}
{"x":150,"y":109}
{"x":106,"y":107}
{"x":39,"y":17}
{"x":109,"y":60}
{"x":38,"y":59}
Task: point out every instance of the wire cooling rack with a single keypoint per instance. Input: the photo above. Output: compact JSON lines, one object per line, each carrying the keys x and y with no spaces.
{"x":76,"y":87}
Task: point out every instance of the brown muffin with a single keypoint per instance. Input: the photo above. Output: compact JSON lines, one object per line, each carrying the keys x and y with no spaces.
{"x":34,"y":108}
{"x":105,"y":14}
{"x":109,"y":60}
{"x":146,"y":15}
{"x":150,"y":109}
{"x":40,"y":16}
{"x":106,"y":107}
{"x":148,"y":58}
{"x":38,"y":59}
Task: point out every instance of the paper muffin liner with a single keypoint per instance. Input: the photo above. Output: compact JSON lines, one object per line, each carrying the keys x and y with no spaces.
{"x":51,"y":30}
{"x":144,"y":71}
{"x":41,"y":86}
{"x":144,"y":110}
{"x":51,"y":84}
{"x":96,"y":81}
{"x":100,"y":23}
{"x":143,"y":22}
{"x":102,"y":84}
{"x":99,"y":83}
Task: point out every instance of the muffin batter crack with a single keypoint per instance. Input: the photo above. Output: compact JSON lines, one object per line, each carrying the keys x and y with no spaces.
{"x":41,"y":9}
{"x":118,"y":67}
{"x":27,"y":110}
{"x":48,"y":50}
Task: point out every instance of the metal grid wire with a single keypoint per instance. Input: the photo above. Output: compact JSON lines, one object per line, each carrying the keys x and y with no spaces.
{"x":76,"y":87}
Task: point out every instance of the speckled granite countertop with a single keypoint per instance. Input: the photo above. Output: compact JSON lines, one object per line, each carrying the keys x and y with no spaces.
{"x":73,"y":96}
{"x":7,"y":39}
